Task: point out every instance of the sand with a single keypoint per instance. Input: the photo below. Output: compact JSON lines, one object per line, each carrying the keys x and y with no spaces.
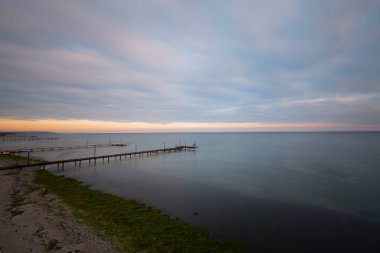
{"x":32,"y":220}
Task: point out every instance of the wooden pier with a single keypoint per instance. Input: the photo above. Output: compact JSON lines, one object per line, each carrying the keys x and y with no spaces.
{"x":103,"y":157}
{"x":44,"y":149}
{"x":18,"y":138}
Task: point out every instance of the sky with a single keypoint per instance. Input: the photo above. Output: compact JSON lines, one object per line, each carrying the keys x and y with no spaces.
{"x":169,"y":66}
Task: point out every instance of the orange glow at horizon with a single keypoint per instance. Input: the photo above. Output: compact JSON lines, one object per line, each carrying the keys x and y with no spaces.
{"x":55,"y":125}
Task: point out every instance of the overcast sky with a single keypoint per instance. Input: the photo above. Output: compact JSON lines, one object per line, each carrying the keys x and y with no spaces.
{"x":274,"y":63}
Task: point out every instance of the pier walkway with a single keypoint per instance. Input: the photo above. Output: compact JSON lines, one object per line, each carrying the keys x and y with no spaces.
{"x":103,"y":157}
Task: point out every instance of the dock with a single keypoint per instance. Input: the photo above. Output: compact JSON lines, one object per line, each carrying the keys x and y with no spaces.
{"x":44,"y":149}
{"x":20,"y":138}
{"x":104,"y":158}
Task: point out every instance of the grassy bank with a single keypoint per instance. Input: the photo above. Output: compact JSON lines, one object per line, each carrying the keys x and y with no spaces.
{"x":131,"y":226}
{"x":21,"y":159}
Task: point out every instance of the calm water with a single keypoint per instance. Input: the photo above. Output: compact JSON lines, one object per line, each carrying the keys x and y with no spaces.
{"x":300,"y":192}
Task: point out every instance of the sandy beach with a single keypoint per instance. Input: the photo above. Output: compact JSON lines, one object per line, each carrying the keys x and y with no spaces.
{"x":33,"y":220}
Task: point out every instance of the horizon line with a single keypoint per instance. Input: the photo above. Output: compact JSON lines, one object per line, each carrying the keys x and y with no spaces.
{"x":195,"y":132}
{"x":101,"y":126}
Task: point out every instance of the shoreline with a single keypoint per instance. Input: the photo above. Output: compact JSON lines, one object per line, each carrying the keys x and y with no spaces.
{"x":128,"y":225}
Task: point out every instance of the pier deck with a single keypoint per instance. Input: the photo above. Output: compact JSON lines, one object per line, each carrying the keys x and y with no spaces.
{"x":103,"y":157}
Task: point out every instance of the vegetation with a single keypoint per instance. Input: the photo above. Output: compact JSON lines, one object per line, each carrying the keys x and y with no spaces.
{"x":129,"y":225}
{"x":19,"y":158}
{"x":15,"y":157}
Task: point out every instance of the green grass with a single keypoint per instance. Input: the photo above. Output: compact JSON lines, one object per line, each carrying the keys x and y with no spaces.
{"x":15,"y":157}
{"x":20,"y":158}
{"x":129,"y":225}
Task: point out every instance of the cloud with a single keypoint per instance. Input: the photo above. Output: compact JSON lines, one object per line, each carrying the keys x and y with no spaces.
{"x":184,"y":61}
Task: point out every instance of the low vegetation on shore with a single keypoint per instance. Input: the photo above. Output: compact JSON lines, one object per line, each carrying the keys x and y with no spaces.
{"x":129,"y":225}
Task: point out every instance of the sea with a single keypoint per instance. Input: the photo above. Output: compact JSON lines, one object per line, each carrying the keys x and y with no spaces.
{"x":270,"y":192}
